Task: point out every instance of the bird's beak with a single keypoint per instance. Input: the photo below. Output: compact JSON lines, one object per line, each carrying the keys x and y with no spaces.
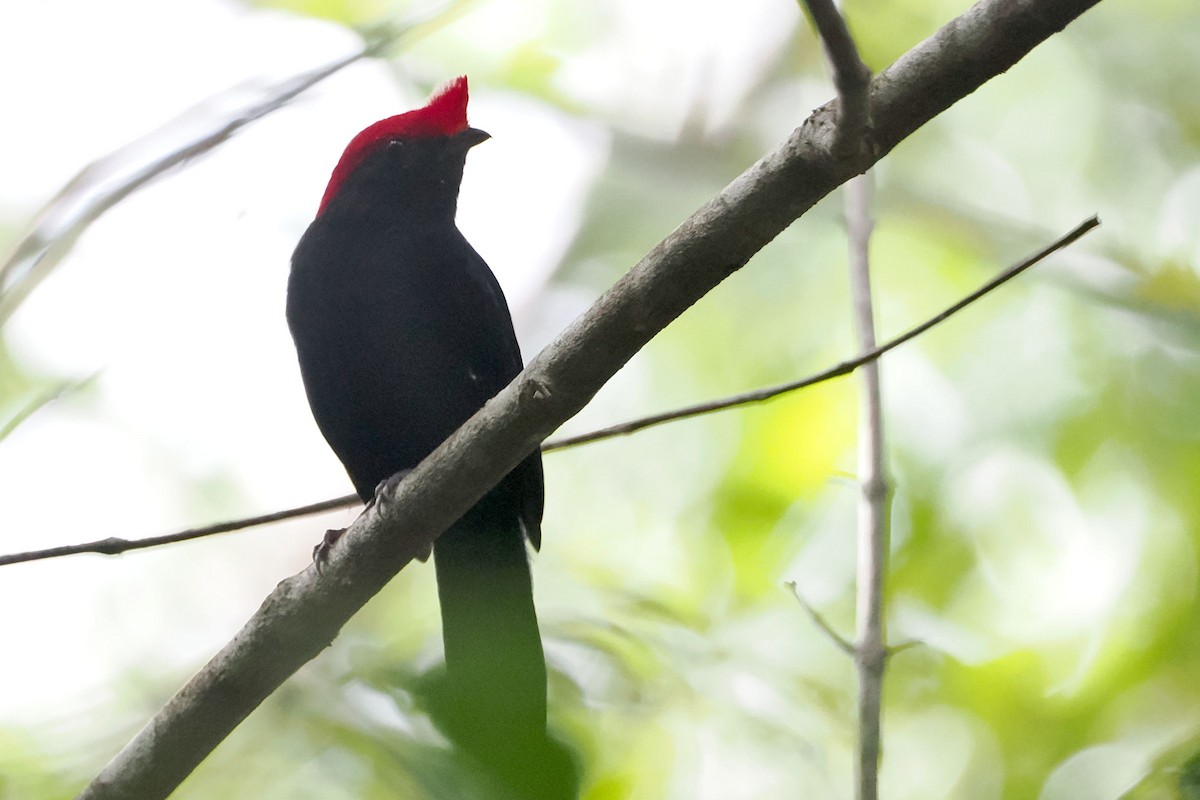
{"x":469,"y":137}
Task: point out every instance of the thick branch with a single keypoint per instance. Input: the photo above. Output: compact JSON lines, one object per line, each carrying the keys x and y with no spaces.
{"x":305,"y":612}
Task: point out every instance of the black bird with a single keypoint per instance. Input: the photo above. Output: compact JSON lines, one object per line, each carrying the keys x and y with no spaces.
{"x":402,"y":334}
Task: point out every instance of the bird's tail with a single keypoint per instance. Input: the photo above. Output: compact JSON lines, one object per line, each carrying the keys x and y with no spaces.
{"x":494,"y":661}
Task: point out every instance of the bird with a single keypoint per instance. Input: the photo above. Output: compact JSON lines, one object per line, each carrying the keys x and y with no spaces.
{"x":402,"y":333}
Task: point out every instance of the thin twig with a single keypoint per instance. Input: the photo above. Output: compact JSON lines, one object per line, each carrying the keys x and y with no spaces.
{"x":836,"y":371}
{"x":851,"y":77}
{"x":113,"y":546}
{"x":907,"y":644}
{"x":870,"y":652}
{"x":840,"y":641}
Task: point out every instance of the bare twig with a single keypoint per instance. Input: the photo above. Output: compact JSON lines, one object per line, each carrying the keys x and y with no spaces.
{"x":114,"y":546}
{"x":851,"y":77}
{"x":840,"y":641}
{"x":870,"y":652}
{"x":836,"y":371}
{"x":907,"y":644}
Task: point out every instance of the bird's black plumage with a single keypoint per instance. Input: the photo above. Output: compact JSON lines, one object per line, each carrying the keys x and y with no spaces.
{"x":401,"y":328}
{"x":402,"y":334}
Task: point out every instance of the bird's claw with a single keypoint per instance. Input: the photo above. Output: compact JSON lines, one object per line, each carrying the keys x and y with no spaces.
{"x":388,"y":484}
{"x":325,"y":546}
{"x":384,"y":489}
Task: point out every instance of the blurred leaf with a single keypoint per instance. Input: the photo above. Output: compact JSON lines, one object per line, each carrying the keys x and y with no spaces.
{"x":348,"y":12}
{"x":792,"y":449}
{"x":1173,"y":287}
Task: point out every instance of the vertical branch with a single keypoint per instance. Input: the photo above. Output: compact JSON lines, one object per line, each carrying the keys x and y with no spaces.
{"x":852,"y":78}
{"x":870,"y":653}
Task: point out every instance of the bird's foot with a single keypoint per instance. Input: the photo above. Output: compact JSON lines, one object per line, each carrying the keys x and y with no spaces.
{"x":325,"y":546}
{"x":387,"y":485}
{"x":384,"y":490}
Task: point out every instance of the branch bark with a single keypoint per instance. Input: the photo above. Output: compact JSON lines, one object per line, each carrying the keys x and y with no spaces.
{"x":870,"y":652}
{"x":305,"y":612}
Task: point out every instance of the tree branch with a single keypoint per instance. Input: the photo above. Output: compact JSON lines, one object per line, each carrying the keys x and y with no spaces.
{"x":305,"y":612}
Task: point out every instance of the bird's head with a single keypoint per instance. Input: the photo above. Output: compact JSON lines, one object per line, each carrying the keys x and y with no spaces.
{"x":422,"y":150}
